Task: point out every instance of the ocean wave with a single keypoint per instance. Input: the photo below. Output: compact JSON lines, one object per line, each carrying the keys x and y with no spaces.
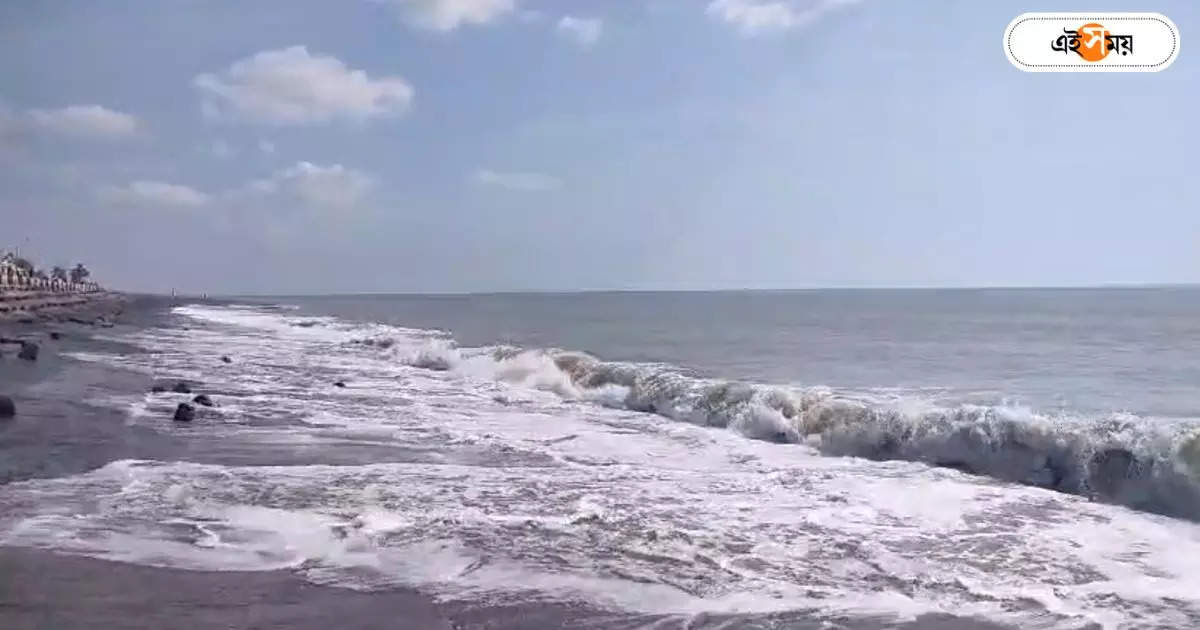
{"x":1142,"y":463}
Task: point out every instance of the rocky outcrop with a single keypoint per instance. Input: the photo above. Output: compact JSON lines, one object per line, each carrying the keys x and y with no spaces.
{"x":185,"y":413}
{"x":29,"y":351}
{"x":8,"y":408}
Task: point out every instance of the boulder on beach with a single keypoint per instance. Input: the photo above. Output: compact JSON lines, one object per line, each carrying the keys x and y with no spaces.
{"x":226,"y":359}
{"x":339,"y":384}
{"x":185,"y":413}
{"x":203,"y":400}
{"x":8,"y":408}
{"x":29,"y":351}
{"x":182,"y":388}
{"x":157,"y":389}
{"x":55,"y":335}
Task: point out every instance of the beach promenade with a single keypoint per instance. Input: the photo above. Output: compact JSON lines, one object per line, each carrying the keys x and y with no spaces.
{"x":23,"y":296}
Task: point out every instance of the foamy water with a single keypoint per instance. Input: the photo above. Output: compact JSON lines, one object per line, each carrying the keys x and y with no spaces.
{"x":546,"y":474}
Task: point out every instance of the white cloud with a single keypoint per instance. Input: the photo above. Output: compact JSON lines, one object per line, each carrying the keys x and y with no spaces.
{"x":145,"y":192}
{"x":447,"y":15}
{"x":325,"y":186}
{"x":289,"y":86}
{"x":529,"y":182}
{"x":583,"y":31}
{"x":89,"y":121}
{"x":753,"y":17}
{"x":266,"y":146}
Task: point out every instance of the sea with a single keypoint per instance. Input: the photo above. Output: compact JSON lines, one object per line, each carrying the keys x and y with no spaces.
{"x":967,"y":458}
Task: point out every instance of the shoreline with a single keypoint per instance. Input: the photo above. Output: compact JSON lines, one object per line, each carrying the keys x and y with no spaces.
{"x":46,"y":307}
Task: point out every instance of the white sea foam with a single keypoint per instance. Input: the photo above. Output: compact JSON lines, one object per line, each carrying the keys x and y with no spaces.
{"x":784,"y":532}
{"x":585,"y":495}
{"x":1145,"y":463}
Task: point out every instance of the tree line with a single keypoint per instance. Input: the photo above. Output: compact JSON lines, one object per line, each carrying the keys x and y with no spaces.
{"x":77,"y":274}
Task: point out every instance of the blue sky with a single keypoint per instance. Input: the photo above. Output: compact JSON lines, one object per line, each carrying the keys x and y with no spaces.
{"x":304,"y":146}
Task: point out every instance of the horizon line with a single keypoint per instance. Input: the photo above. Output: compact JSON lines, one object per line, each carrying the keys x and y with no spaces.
{"x":998,"y":287}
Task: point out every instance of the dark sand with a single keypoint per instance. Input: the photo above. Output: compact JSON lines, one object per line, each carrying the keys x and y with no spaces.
{"x":41,"y":590}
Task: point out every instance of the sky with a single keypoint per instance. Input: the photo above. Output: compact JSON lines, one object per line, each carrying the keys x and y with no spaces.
{"x":321,"y":146}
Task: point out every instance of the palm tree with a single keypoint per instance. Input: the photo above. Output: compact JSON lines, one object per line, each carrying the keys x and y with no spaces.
{"x":58,"y":273}
{"x":23,"y":264}
{"x":79,"y":273}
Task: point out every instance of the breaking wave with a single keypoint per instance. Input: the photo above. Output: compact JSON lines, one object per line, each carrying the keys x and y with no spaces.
{"x":1146,"y":464}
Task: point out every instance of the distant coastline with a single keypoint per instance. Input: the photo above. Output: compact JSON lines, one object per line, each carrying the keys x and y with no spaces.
{"x":29,"y":294}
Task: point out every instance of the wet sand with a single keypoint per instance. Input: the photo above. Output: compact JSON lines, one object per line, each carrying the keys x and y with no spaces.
{"x":42,"y":590}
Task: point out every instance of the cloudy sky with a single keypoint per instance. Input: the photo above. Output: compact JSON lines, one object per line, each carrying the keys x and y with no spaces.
{"x":310,"y":146}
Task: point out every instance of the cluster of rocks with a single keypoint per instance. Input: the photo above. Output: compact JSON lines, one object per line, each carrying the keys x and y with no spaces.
{"x":184,"y":411}
{"x":30,"y":350}
{"x":27,"y":350}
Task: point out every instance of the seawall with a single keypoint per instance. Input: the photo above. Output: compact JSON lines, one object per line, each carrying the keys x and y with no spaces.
{"x":31,"y":305}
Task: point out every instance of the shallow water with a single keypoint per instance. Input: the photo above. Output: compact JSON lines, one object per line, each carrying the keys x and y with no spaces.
{"x":644,"y":482}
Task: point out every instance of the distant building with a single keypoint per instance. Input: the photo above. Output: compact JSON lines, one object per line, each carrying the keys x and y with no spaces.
{"x":12,"y":276}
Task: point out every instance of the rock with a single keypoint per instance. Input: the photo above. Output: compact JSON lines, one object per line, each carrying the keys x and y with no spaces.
{"x":55,"y":335}
{"x":339,"y":384}
{"x":25,"y":320}
{"x":29,"y":351}
{"x":8,"y":408}
{"x":182,"y":388}
{"x":158,"y":389}
{"x":226,"y":360}
{"x":203,"y":400}
{"x":185,"y":413}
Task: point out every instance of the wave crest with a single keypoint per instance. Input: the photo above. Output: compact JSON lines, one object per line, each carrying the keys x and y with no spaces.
{"x":1152,"y":465}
